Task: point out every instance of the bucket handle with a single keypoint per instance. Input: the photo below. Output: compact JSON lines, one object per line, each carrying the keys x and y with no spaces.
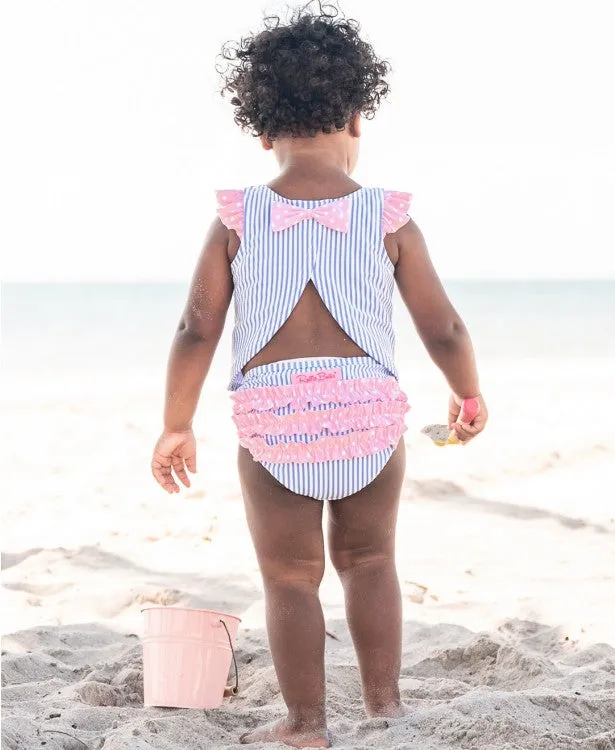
{"x":235,"y":689}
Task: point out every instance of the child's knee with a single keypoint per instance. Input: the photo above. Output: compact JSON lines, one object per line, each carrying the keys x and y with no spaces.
{"x":347,"y":561}
{"x":300,"y":573}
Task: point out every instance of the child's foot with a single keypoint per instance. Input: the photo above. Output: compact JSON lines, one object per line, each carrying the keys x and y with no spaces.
{"x":392,"y":710}
{"x":295,"y":734}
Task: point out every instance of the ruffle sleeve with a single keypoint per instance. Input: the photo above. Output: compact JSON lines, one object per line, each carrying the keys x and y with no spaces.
{"x":395,"y":210}
{"x":230,"y":209}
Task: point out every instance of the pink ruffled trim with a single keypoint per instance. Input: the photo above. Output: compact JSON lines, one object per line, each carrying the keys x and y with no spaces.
{"x":230,"y":209}
{"x":300,"y":395}
{"x":327,"y":448}
{"x":395,"y":210}
{"x":368,"y":411}
{"x":358,"y":417}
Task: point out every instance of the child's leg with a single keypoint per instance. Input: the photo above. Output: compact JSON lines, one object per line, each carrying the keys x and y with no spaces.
{"x":362,"y":549}
{"x":287,"y":533}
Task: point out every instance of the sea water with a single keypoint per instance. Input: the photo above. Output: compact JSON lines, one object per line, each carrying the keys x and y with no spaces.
{"x":79,"y":328}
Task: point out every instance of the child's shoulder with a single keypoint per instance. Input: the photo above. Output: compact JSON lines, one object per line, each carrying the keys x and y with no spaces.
{"x":395,"y":210}
{"x":231,"y":208}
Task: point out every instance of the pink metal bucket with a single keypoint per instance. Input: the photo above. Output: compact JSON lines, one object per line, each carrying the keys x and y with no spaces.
{"x":187,"y":655}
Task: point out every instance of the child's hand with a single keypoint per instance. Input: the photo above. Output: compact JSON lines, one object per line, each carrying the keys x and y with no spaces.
{"x":465,"y":425}
{"x":177,"y":450}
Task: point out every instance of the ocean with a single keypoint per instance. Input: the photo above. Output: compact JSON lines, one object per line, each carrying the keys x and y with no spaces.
{"x":113,"y":326}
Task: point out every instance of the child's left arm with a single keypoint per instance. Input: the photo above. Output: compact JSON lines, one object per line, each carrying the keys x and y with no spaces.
{"x":192,"y":351}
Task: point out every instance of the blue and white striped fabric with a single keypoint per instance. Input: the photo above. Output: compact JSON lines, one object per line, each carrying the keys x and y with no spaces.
{"x":326,"y":480}
{"x":351,"y":271}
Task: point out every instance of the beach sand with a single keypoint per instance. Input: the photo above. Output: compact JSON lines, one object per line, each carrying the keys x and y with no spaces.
{"x":506,"y":556}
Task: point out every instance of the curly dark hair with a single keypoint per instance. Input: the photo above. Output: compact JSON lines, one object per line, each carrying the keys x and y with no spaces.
{"x":307,"y":76}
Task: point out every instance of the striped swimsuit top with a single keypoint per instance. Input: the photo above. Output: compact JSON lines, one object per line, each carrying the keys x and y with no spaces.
{"x":336,"y":243}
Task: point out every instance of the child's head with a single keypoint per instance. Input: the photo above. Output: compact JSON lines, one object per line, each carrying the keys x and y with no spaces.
{"x":300,"y":79}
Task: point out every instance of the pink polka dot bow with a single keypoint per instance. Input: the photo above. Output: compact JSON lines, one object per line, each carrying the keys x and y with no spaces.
{"x":334,"y":215}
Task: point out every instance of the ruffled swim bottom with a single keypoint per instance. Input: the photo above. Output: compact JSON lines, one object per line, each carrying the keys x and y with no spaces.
{"x":323,"y":427}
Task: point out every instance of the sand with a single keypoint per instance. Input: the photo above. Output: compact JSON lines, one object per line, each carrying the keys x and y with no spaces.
{"x":506,"y":553}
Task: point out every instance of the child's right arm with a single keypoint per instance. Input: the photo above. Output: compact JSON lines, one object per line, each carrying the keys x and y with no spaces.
{"x":441,"y":329}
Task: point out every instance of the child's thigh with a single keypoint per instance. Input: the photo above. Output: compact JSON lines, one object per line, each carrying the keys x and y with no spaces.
{"x":286,"y":528}
{"x":364,"y":523}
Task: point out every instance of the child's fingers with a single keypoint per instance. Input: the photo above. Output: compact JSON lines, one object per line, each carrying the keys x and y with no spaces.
{"x":191,"y":463}
{"x":479,"y":422}
{"x":178,"y":466}
{"x":162,"y":474}
{"x":465,"y":432}
{"x":453,"y":411}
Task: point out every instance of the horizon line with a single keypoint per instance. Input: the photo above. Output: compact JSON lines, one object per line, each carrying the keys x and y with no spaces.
{"x":476,"y":279}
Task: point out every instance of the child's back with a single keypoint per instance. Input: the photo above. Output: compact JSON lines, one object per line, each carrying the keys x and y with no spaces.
{"x":312,"y":260}
{"x":324,"y":263}
{"x":310,"y":329}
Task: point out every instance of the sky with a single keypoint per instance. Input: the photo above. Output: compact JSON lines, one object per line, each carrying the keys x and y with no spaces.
{"x":500,"y":122}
